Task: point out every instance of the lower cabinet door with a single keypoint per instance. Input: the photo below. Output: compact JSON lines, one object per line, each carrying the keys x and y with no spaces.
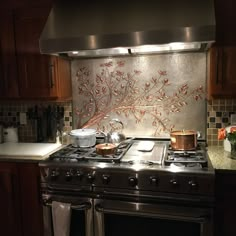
{"x":10,"y":217}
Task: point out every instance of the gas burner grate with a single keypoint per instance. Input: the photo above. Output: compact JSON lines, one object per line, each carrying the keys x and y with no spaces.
{"x":187,"y":158}
{"x":75,"y":154}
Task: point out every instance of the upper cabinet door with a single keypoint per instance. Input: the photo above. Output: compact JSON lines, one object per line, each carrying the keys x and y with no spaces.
{"x":34,"y":69}
{"x":40,"y":76}
{"x":222,"y":79}
{"x":225,"y":22}
{"x":8,"y":68}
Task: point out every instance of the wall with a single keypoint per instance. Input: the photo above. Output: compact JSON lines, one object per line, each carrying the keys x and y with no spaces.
{"x":218,"y":115}
{"x":151,"y":94}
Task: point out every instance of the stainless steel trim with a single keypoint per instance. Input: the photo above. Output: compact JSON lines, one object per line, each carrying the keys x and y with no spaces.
{"x":88,"y":27}
{"x":81,"y":207}
{"x":101,"y":209}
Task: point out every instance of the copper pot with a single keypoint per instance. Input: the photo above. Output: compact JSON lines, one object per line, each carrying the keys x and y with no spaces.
{"x":183,"y":139}
{"x":105,"y":149}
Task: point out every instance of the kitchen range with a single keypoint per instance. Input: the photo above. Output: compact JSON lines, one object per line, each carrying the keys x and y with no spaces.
{"x":146,"y":187}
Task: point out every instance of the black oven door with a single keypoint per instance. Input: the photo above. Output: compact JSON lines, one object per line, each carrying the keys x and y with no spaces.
{"x":116,"y":218}
{"x":81,"y":223}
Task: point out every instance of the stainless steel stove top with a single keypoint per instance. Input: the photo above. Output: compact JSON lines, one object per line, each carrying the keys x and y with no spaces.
{"x":152,"y":168}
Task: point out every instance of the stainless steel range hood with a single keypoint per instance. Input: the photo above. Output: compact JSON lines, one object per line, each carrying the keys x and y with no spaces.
{"x":101,"y":28}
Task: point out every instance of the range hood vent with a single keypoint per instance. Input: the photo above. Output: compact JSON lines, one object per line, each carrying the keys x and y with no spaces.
{"x":100,"y":28}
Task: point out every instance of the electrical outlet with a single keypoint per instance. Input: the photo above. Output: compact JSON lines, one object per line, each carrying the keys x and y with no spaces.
{"x":23,"y":119}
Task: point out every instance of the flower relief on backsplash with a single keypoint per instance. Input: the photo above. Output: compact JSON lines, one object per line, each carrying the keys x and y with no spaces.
{"x":148,"y":105}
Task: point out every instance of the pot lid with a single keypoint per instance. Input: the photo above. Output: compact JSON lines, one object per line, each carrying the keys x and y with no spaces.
{"x":106,"y":146}
{"x":183,"y":132}
{"x":83,"y":132}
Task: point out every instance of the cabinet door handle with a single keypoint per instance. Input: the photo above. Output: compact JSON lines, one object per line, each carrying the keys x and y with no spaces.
{"x":2,"y":80}
{"x":217,"y":66}
{"x":51,"y":79}
{"x":223,"y":80}
{"x":6,"y":76}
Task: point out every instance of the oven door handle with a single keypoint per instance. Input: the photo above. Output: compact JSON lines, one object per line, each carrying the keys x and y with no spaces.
{"x":198,"y":219}
{"x":80,"y":207}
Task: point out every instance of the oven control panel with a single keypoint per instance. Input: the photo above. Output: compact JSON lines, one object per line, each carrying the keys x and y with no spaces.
{"x":155,"y":181}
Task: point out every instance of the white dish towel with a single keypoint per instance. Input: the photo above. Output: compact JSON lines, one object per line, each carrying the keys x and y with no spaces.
{"x":61,"y":217}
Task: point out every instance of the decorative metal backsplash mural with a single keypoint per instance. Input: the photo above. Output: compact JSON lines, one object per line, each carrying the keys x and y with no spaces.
{"x":151,"y":94}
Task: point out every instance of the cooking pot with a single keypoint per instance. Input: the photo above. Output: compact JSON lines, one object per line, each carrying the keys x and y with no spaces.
{"x":184,"y":139}
{"x":105,"y":149}
{"x":83,"y":137}
{"x":115,"y":136}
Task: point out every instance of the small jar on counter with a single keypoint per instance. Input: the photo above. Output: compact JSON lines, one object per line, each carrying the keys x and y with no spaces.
{"x":65,"y":138}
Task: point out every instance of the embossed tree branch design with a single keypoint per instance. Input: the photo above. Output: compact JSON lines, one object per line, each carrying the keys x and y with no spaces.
{"x":114,"y":90}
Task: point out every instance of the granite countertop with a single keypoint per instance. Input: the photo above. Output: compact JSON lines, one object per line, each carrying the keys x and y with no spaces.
{"x":27,"y":151}
{"x":221,"y":160}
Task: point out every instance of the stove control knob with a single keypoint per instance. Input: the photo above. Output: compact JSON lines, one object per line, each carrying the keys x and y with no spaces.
{"x":106,"y":179}
{"x":90,"y":178}
{"x":79,"y":174}
{"x":68,"y":176}
{"x":54,"y":174}
{"x":153,"y":180}
{"x":193,"y":184}
{"x":133,"y":181}
{"x":174,"y":182}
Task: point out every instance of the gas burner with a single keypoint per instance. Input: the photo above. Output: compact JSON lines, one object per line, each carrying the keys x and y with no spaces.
{"x":75,"y":154}
{"x":186,"y":165}
{"x":186,"y":158}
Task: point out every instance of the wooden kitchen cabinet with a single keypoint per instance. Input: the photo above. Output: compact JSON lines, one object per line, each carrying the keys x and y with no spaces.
{"x":21,"y":211}
{"x":225,"y":22}
{"x":225,"y":203}
{"x":8,"y":67}
{"x":222,"y":77}
{"x":40,"y":76}
{"x":10,"y":215}
{"x":31,"y":208}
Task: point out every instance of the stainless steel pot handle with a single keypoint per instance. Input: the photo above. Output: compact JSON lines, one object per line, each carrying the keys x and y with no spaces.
{"x":115,"y":120}
{"x":99,"y":208}
{"x":80,"y":207}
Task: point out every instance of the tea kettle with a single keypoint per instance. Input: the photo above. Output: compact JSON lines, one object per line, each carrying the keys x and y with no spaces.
{"x":115,"y":136}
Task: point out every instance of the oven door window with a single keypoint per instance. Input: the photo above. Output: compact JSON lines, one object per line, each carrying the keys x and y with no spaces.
{"x":77,"y":223}
{"x":121,"y":218}
{"x":117,"y":225}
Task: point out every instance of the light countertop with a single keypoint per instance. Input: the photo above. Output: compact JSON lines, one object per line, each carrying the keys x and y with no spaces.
{"x":220,"y":159}
{"x":27,"y":151}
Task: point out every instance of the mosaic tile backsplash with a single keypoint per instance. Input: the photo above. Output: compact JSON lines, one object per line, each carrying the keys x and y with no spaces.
{"x":218,"y":116}
{"x":151,"y":94}
{"x":10,"y":116}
